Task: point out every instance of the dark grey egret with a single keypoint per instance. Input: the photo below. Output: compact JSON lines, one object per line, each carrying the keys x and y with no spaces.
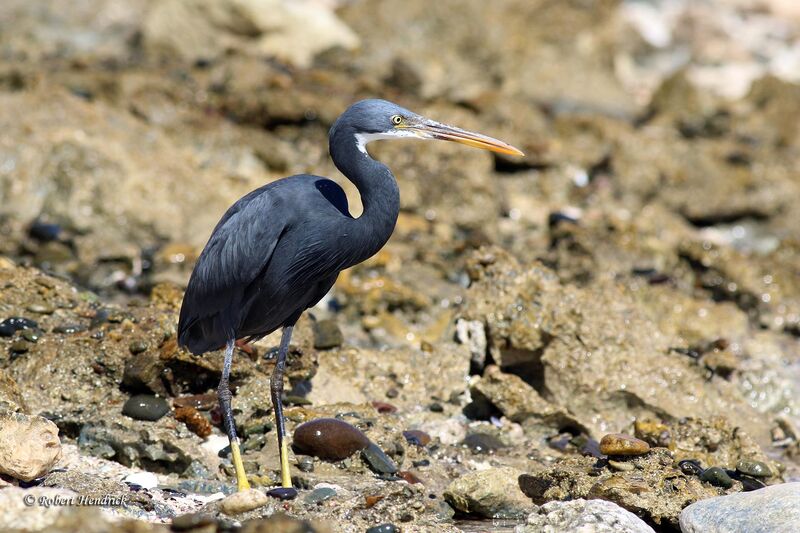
{"x":279,"y":249}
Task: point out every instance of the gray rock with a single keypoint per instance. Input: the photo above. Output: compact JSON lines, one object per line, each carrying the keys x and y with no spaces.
{"x":772,"y":509}
{"x":590,"y":516}
{"x":492,"y":493}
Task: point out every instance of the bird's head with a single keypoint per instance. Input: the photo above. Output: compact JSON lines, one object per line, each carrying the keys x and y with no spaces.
{"x":370,"y":120}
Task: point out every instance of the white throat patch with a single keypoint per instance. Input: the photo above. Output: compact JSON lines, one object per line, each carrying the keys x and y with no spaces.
{"x":362,"y":139}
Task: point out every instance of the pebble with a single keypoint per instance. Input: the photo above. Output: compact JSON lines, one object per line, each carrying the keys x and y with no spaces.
{"x":410,"y":477}
{"x":773,"y":508}
{"x":41,"y":309}
{"x":621,"y":444}
{"x":29,"y":445}
{"x":482,"y":443}
{"x":44,"y":232}
{"x":19,"y":346}
{"x":254,"y":443}
{"x":436,"y":407}
{"x":690,"y":467}
{"x":417,"y":437}
{"x":11,"y":325}
{"x":305,"y":464}
{"x":283,"y":493}
{"x":384,"y":408}
{"x":319,"y":495}
{"x":145,"y":407}
{"x":384,"y":528}
{"x":201,"y":402}
{"x":329,"y":439}
{"x":31,"y":335}
{"x":243,"y":501}
{"x":392,"y":393}
{"x":621,"y":466}
{"x":753,"y":468}
{"x":327,"y":335}
{"x":257,"y":428}
{"x":137,"y":347}
{"x":146,"y":480}
{"x":188,"y":522}
{"x":378,"y":461}
{"x":69,"y":329}
{"x":717,"y":477}
{"x":587,"y":446}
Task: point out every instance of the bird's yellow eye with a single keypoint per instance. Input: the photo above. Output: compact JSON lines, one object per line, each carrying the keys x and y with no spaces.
{"x":397,"y":120}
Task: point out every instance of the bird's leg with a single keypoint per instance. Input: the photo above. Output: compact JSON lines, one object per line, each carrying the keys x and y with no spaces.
{"x":276,"y":388}
{"x":224,"y":395}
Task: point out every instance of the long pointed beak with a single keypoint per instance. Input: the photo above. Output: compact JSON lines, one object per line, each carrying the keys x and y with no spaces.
{"x":430,"y":129}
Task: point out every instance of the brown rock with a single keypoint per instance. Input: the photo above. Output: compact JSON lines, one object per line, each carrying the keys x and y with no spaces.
{"x":10,"y":395}
{"x":621,"y":444}
{"x":329,"y":439}
{"x":29,"y":446}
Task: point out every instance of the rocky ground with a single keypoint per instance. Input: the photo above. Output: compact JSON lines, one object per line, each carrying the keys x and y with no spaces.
{"x":600,"y":334}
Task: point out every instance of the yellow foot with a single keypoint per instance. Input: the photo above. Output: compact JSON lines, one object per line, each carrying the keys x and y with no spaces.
{"x":286,"y":477}
{"x":241,"y":478}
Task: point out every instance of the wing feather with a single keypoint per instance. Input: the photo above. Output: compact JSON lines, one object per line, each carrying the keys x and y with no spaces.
{"x":239,"y":248}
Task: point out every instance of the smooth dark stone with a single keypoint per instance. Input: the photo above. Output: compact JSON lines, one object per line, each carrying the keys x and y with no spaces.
{"x":378,"y":461}
{"x":145,"y":407}
{"x":392,"y":393}
{"x":327,"y":335}
{"x":187,"y":522}
{"x":137,"y":347}
{"x":283,"y":493}
{"x":691,"y":467}
{"x":329,"y":439}
{"x":753,"y":468}
{"x":749,"y":483}
{"x":11,"y":325}
{"x":384,"y":408}
{"x":417,"y":437}
{"x":19,"y":346}
{"x":69,"y":329}
{"x":31,"y":335}
{"x":44,"y":232}
{"x":482,"y":443}
{"x":717,"y":477}
{"x":319,"y":495}
{"x":383,"y":528}
{"x":436,"y":407}
{"x":555,"y":218}
{"x":305,"y":464}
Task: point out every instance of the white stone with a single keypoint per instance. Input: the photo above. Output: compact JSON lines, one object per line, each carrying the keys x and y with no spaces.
{"x":583,"y":516}
{"x":146,"y":480}
{"x":243,"y":501}
{"x":773,"y":509}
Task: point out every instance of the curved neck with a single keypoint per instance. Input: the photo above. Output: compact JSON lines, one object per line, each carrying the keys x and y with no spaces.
{"x":377,"y":186}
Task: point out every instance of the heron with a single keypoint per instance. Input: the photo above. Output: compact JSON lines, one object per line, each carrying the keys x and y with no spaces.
{"x":278,"y":250}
